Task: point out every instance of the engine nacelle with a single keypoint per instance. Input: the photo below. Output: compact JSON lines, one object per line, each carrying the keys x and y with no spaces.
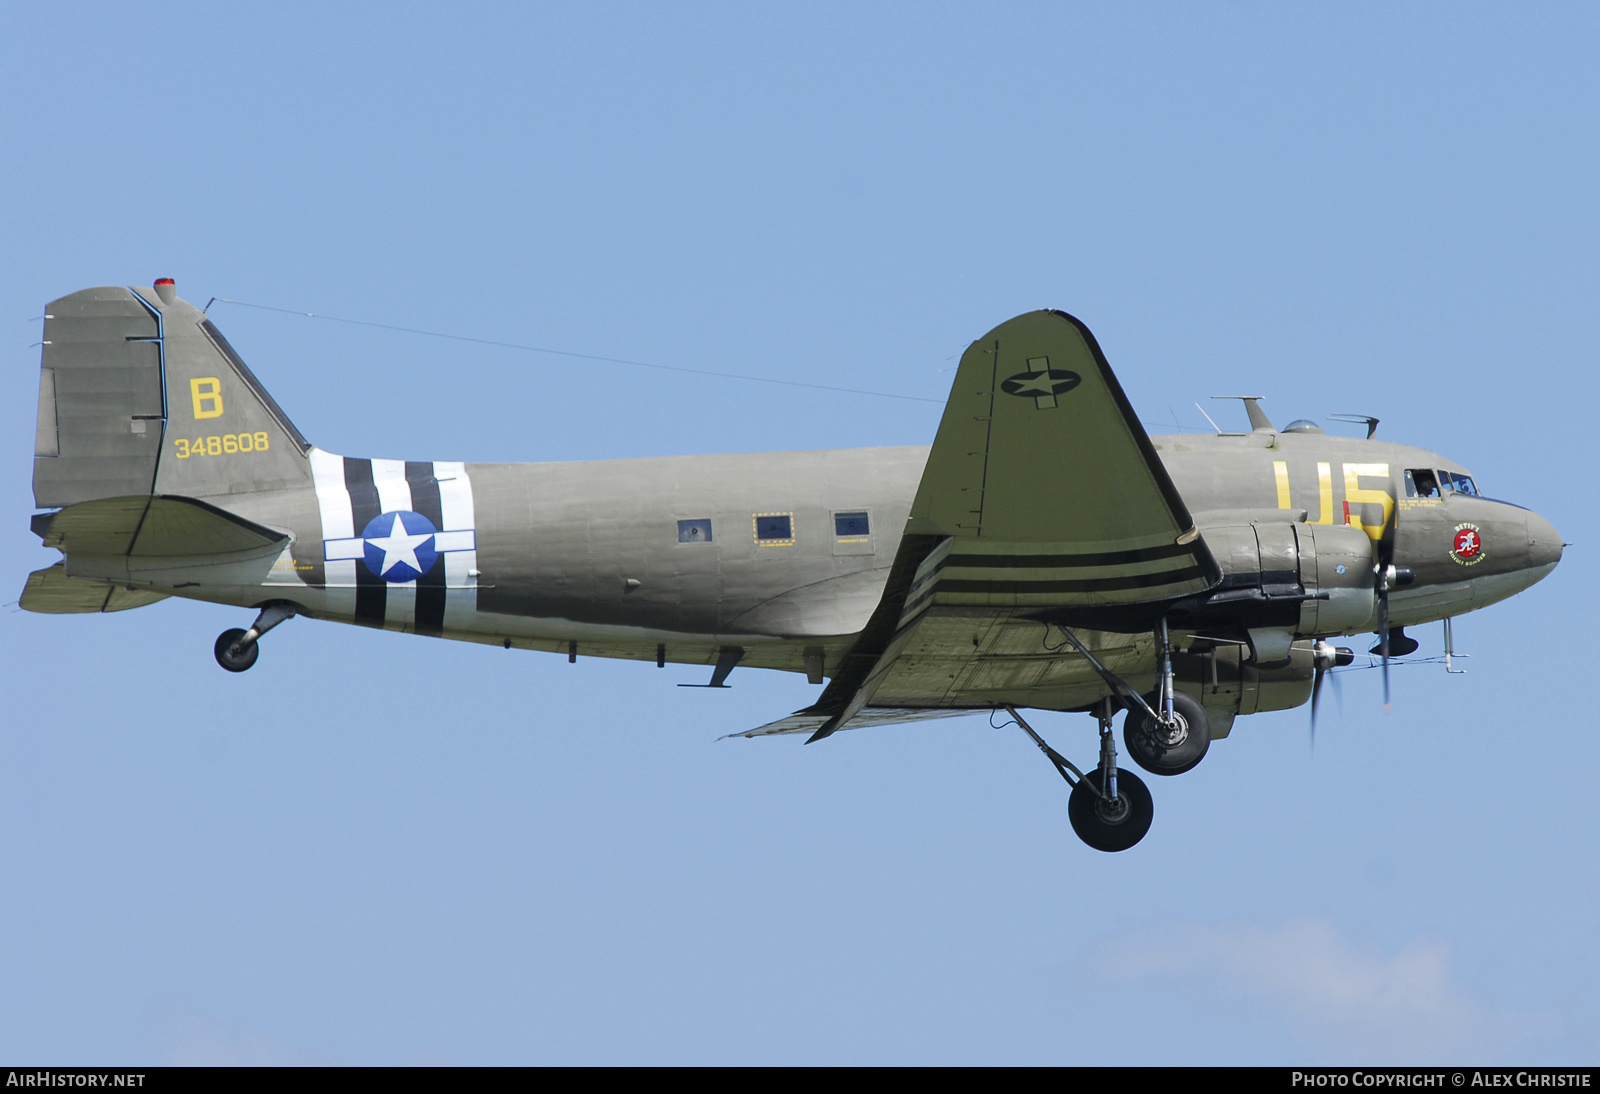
{"x":1304,"y":580}
{"x":1227,"y":683}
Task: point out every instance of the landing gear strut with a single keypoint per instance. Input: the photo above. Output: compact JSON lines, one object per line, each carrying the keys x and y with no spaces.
{"x":237,"y":650}
{"x":1176,"y":737}
{"x":1166,"y":734}
{"x":1110,"y":808}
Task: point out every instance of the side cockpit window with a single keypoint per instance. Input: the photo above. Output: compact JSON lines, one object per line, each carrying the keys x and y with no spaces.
{"x":1421,"y":484}
{"x":1458,"y":484}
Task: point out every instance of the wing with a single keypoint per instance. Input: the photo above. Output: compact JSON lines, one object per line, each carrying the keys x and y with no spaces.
{"x":1042,"y":499}
{"x":1049,"y":484}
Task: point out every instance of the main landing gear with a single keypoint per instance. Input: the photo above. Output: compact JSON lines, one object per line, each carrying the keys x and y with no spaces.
{"x":237,"y":649}
{"x":1166,"y":734}
{"x":1169,"y":733}
{"x":1110,"y":808}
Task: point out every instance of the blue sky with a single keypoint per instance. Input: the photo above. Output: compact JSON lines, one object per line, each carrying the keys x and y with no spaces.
{"x":377,"y":848}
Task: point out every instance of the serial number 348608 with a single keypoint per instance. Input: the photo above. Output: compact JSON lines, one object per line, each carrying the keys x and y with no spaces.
{"x":228,"y":443}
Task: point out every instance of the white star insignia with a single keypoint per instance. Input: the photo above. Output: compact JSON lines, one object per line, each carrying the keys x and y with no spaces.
{"x":399,"y":546}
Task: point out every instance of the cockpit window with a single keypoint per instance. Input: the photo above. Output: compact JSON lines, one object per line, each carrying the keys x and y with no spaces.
{"x":1421,"y":484}
{"x":1458,"y":484}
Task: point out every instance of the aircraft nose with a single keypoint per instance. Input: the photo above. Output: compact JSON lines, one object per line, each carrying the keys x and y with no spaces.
{"x":1544,"y":542}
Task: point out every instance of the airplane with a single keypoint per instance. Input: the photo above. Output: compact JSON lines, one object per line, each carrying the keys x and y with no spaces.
{"x":1044,"y":553}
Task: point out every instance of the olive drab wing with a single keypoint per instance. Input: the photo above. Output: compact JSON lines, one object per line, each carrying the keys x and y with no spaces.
{"x":1049,"y":484}
{"x":1042,"y":491}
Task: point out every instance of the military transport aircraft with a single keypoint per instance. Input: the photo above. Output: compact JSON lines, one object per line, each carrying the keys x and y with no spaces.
{"x":1044,"y":553}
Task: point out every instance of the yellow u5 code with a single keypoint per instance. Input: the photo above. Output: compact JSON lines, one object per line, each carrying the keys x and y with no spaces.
{"x":225,"y":444}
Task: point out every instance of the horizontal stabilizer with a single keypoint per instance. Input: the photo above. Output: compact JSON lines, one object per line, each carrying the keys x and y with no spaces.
{"x":52,"y":592}
{"x":805,"y":722}
{"x":159,"y":527}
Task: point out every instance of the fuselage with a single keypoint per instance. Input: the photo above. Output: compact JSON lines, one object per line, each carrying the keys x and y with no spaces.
{"x":783,"y":553}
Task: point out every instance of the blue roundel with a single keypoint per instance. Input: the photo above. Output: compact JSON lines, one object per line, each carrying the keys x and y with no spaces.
{"x":399,"y":545}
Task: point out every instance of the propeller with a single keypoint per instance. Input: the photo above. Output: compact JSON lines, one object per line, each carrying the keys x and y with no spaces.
{"x":1325,"y":658}
{"x":1383,"y":627}
{"x":1388,"y":576}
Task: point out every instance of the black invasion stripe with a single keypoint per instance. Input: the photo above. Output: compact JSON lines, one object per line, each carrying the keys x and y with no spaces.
{"x":917,"y":601}
{"x":1088,"y":585}
{"x":1108,"y":558}
{"x":430,"y":586}
{"x":372,"y":592}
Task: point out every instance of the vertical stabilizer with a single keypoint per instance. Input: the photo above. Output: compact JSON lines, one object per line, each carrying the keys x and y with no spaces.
{"x":139,"y":393}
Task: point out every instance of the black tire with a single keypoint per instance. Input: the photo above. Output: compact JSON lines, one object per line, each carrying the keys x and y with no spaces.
{"x":1160,"y":754}
{"x":1106,"y":827}
{"x":246,"y":658}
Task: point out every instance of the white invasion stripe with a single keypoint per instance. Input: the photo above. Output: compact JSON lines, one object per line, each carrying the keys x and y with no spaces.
{"x":464,"y":540}
{"x":356,"y":547}
{"x":460,"y":564}
{"x":335,"y":550}
{"x":394,"y":493}
{"x":333,"y":500}
{"x":333,"y":506}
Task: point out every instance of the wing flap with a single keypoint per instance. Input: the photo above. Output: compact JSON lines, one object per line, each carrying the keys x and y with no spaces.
{"x":802,"y":722}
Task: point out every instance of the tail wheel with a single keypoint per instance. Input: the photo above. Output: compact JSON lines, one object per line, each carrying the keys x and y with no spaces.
{"x":227,"y":658}
{"x":1168,"y":749}
{"x":1114,"y":825}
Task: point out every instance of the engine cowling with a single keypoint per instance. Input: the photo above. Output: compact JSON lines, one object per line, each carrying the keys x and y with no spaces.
{"x":1305,"y":580}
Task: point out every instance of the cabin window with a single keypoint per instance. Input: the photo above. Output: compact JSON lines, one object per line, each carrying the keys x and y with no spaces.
{"x":1421,"y":484}
{"x":774,"y":529}
{"x":851,"y":526}
{"x":694,"y":531}
{"x":1453,"y":483}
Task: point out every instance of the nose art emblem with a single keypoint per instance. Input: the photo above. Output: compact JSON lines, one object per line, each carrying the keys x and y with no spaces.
{"x":1467,"y":547}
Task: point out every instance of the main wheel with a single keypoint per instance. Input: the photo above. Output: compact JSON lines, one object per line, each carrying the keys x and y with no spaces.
{"x":1168,"y":750}
{"x":1114,"y":825}
{"x":227,"y":660}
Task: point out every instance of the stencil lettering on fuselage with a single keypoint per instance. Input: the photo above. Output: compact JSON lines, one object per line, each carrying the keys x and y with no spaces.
{"x":399,"y":541}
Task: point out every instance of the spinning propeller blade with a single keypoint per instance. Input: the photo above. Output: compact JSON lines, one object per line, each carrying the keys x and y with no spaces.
{"x":1316,"y":695}
{"x":1325,"y":658}
{"x":1383,"y":636}
{"x":1385,"y":570}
